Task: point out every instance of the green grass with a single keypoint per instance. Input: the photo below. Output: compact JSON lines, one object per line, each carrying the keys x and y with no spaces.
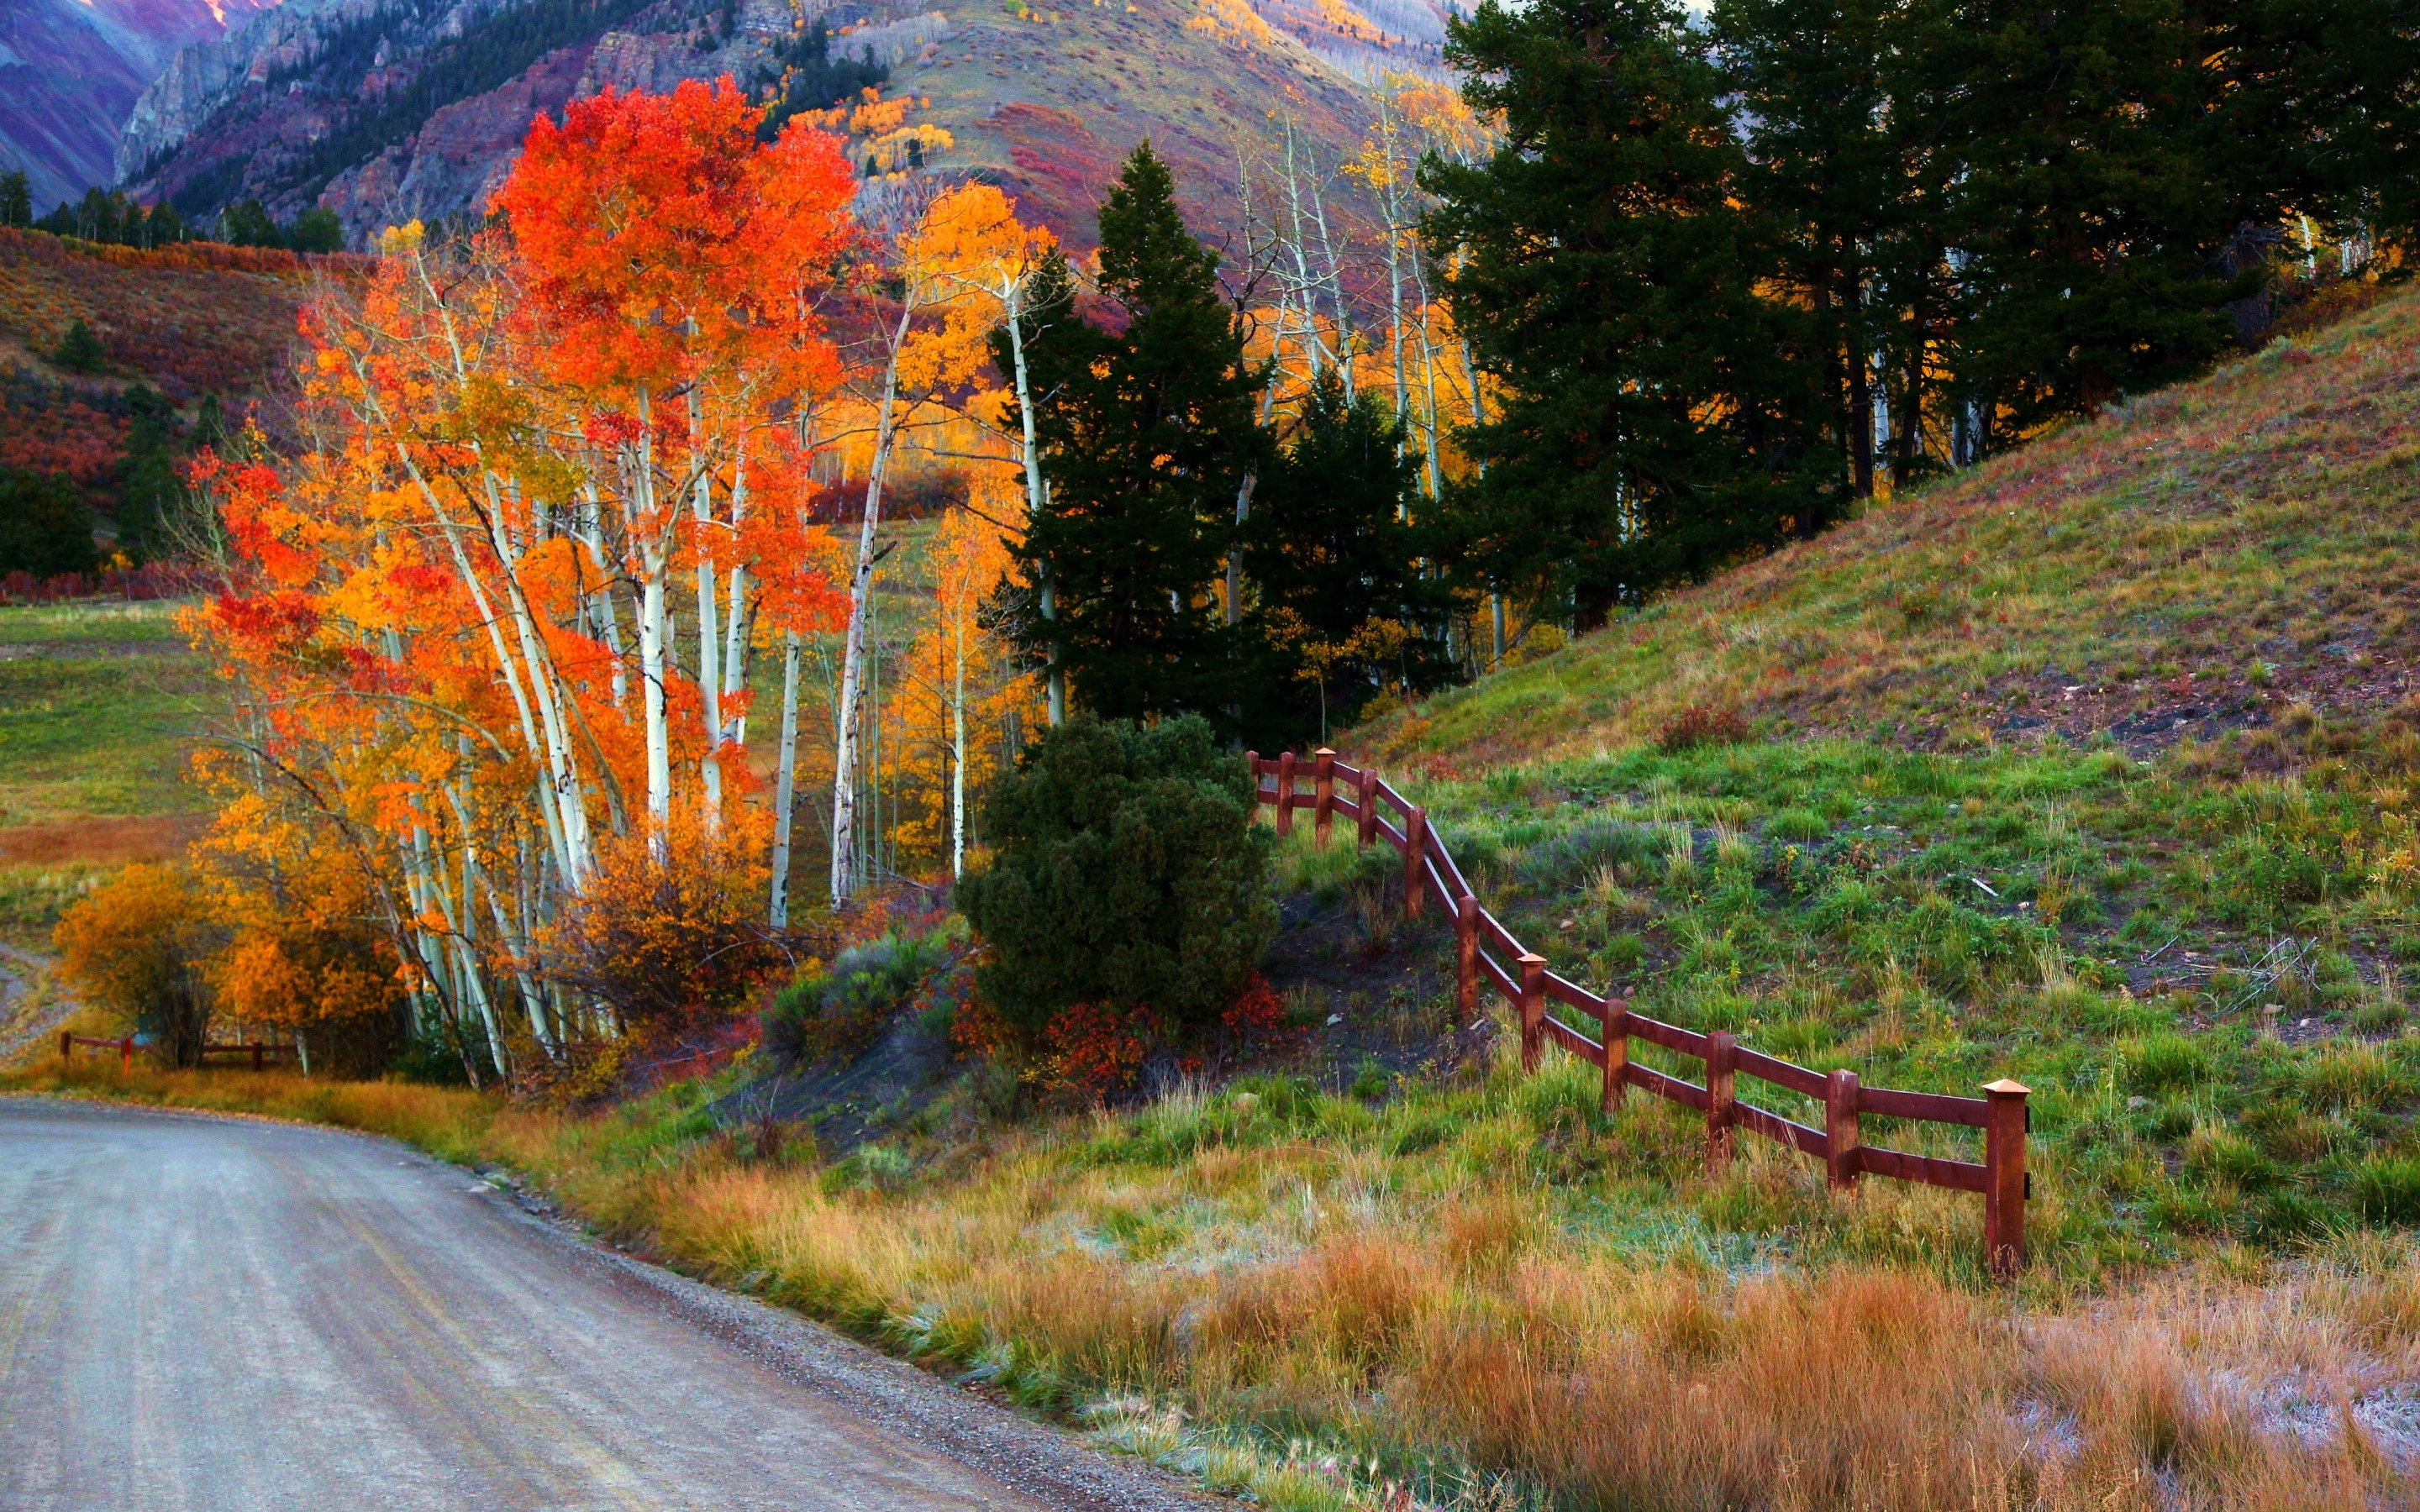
{"x":101,"y":704}
{"x":1965,"y":917}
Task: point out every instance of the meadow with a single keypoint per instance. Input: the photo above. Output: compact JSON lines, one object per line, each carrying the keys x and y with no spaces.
{"x":99,"y":705}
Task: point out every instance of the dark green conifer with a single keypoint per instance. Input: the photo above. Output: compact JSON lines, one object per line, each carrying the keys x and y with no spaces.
{"x":79,"y":350}
{"x":1145,"y":433}
{"x":45,"y":525}
{"x":1329,"y":543}
{"x":1653,"y":422}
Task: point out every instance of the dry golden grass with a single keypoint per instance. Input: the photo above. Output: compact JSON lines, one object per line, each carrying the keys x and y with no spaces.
{"x":1461,"y":1334}
{"x":98,"y":841}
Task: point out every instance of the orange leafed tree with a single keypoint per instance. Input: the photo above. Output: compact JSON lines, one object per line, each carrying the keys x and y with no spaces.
{"x":450,"y":617}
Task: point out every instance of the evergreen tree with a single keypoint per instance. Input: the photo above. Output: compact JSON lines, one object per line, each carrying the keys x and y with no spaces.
{"x":2085,"y":218}
{"x":246,"y":224}
{"x":149,"y":490}
{"x":16,"y":199}
{"x":1812,"y":79}
{"x":317,"y":230}
{"x":1331,"y":555}
{"x":1656,"y":419}
{"x":1145,"y":432}
{"x":45,"y":526}
{"x":79,"y":350}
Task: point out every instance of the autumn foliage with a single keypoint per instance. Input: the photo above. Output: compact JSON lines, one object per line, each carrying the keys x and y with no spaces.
{"x":497,"y":631}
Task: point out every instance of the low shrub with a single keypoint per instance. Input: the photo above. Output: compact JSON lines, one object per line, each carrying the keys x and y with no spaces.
{"x":2387,"y":1187}
{"x":1572,"y":857}
{"x":1127,"y":875}
{"x":1701,"y":724}
{"x":2165,"y":1062}
{"x":839,"y":1010}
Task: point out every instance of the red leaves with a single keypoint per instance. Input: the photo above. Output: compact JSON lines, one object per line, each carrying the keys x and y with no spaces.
{"x":266,"y":625}
{"x":659,"y":238}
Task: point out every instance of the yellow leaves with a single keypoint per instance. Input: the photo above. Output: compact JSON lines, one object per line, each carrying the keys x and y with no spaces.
{"x":397,"y":240}
{"x":909,"y":147}
{"x":1233,"y":22}
{"x":964,"y":255}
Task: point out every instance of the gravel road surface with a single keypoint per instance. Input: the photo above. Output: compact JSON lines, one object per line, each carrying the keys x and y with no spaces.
{"x":214,"y":1316}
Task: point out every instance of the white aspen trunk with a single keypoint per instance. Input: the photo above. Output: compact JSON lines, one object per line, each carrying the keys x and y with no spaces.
{"x":602,"y":608}
{"x":1313,"y":344}
{"x":1428,"y":381}
{"x":651,"y":688}
{"x":710,"y":641}
{"x":738,"y":623}
{"x":1335,"y":291}
{"x":958,"y":753}
{"x":784,"y":783}
{"x":844,"y":858}
{"x":1036,"y":493}
{"x":1496,"y":611}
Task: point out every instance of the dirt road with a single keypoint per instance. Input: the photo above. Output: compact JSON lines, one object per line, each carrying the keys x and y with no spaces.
{"x":223,"y":1315}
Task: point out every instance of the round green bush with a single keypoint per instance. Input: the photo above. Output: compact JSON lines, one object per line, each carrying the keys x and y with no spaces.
{"x":1126,"y":872}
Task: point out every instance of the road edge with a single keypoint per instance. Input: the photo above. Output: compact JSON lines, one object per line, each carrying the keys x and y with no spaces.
{"x":888,"y":1394}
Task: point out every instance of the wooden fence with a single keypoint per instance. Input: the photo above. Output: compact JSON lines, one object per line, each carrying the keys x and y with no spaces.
{"x":69,"y":1043}
{"x":260,"y":1053}
{"x":1486,"y":951}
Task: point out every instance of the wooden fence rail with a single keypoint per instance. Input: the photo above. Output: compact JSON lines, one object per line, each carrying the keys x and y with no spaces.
{"x":1487,"y":952}
{"x":69,"y":1043}
{"x":260,"y":1053}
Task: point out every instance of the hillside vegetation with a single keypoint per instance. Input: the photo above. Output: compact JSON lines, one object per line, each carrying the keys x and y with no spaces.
{"x":191,"y":319}
{"x":2196,"y":560}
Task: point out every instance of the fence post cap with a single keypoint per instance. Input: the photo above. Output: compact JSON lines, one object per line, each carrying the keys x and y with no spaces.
{"x":1325,"y":751}
{"x":1530,"y":958}
{"x":2004,"y":1088}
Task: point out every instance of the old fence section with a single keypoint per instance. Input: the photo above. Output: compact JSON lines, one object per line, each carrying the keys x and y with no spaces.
{"x":1486,"y":951}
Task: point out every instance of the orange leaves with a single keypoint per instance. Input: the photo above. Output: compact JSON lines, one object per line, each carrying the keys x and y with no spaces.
{"x":657,"y":239}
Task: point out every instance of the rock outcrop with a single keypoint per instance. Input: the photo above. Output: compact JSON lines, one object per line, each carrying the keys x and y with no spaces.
{"x":71,"y":70}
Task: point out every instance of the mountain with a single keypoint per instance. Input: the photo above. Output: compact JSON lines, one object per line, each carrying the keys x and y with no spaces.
{"x":390,"y":110}
{"x":71,"y":70}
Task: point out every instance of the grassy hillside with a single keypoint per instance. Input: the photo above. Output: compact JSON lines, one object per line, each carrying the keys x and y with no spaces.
{"x":99,"y":705}
{"x":191,"y":319}
{"x":2196,"y":562}
{"x":2093,"y":768}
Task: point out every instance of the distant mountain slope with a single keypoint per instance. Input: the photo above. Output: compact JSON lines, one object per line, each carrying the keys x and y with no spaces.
{"x":390,"y":110}
{"x":70,"y":71}
{"x":2197,"y":561}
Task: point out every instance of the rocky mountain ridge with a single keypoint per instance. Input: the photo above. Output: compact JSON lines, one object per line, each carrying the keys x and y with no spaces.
{"x":71,"y":70}
{"x":392,"y":110}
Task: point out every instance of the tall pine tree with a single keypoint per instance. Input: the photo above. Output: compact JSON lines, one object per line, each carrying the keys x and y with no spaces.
{"x":1333,"y":556}
{"x":1655,"y":420}
{"x":1145,"y":429}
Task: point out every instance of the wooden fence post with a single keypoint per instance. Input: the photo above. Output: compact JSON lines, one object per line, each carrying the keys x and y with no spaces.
{"x":1285,"y":795}
{"x":256,"y":1051}
{"x":1465,"y":959}
{"x":1722,"y":1056}
{"x":1415,"y":843}
{"x":1322,"y":788}
{"x":1840,"y":1130}
{"x":1365,"y":794}
{"x":1533,"y":1008}
{"x":67,"y":1044}
{"x":2004,"y":1178}
{"x":1617,"y":1054}
{"x":126,"y":1054}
